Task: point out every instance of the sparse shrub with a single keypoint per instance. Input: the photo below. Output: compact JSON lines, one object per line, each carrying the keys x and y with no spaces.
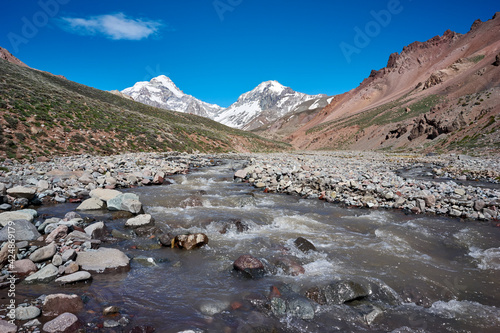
{"x":11,"y":122}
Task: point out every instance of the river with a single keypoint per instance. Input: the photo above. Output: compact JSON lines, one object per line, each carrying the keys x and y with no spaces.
{"x":426,"y":273}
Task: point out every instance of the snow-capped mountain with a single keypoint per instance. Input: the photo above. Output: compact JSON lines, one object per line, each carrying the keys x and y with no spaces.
{"x":268,"y":102}
{"x":161,"y":92}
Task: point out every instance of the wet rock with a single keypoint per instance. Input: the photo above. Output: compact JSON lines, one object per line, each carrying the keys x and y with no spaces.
{"x":190,"y":242}
{"x":290,"y":266}
{"x":44,"y":275}
{"x":22,"y":192}
{"x":140,"y":221}
{"x":103,"y":260}
{"x":315,"y":294}
{"x":214,"y":307}
{"x":56,"y":304}
{"x":104,"y":194}
{"x":24,"y":267}
{"x":304,"y":245}
{"x":235,"y":225}
{"x":96,"y":230}
{"x":344,"y":291}
{"x":5,"y":206}
{"x":166,"y":239}
{"x":74,"y":277}
{"x":250,"y":266}
{"x":110,"y":310}
{"x":148,"y":231}
{"x":290,"y":303}
{"x":65,"y":323}
{"x":58,"y":233}
{"x":192,"y":201}
{"x":24,"y":214}
{"x":44,"y":253}
{"x":6,"y":327}
{"x":72,"y":215}
{"x":23,"y":231}
{"x":92,"y":204}
{"x":27,"y":312}
{"x":128,"y":202}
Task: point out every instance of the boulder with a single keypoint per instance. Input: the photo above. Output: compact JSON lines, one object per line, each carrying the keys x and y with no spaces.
{"x":140,"y":221}
{"x":74,"y":277}
{"x":345,"y":290}
{"x":27,"y":312}
{"x":65,"y":323}
{"x":44,"y":253}
{"x":250,"y":266}
{"x":68,"y":255}
{"x":304,"y":245}
{"x":24,"y":267}
{"x":60,"y":232}
{"x":128,"y":202}
{"x":22,"y":192}
{"x":104,"y":194}
{"x":56,"y":304}
{"x":96,"y":230}
{"x":103,"y":260}
{"x":24,"y":231}
{"x":190,"y":242}
{"x":92,"y":204}
{"x":23,"y":214}
{"x":44,"y":275}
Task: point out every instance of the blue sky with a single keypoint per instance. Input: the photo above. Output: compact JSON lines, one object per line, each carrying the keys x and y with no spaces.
{"x":216,"y":50}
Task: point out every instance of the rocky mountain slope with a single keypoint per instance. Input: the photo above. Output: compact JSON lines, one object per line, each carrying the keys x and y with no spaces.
{"x":6,"y":55}
{"x":44,"y":115}
{"x":442,"y":94}
{"x":266,"y":103}
{"x":161,"y":92}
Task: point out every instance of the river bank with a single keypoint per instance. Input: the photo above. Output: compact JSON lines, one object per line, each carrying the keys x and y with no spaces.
{"x":136,"y":258}
{"x":452,"y":185}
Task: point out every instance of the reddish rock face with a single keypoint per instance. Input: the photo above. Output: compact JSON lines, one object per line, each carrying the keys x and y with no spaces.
{"x":65,"y":323}
{"x":24,"y":267}
{"x":249,"y":266}
{"x":57,"y":304}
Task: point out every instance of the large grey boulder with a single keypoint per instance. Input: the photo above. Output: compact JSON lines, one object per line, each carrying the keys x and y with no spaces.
{"x":103,"y":260}
{"x":128,"y":202}
{"x":23,"y":231}
{"x":22,"y":192}
{"x":23,"y":214}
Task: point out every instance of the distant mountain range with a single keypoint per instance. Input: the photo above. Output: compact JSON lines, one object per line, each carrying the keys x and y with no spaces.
{"x":266,"y":103}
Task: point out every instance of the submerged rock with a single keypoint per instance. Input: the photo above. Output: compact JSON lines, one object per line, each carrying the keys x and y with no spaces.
{"x":304,"y":245}
{"x":56,"y":304}
{"x":250,"y":266}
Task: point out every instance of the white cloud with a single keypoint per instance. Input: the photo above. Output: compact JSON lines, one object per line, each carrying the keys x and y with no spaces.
{"x":116,"y":26}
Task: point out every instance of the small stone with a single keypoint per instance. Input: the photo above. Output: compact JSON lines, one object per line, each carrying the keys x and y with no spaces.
{"x":260,"y":185}
{"x":57,"y":260}
{"x":240,"y":174}
{"x":304,"y":245}
{"x":6,"y":327}
{"x":460,"y":191}
{"x":24,"y":267}
{"x":91,"y":204}
{"x":44,"y":275}
{"x":70,"y":267}
{"x":96,"y":230}
{"x":190,"y":242}
{"x":68,"y":255}
{"x":74,"y":277}
{"x":44,"y":253}
{"x":60,"y":232}
{"x":140,"y":221}
{"x":479,"y":204}
{"x":430,"y":201}
{"x":110,"y":310}
{"x":65,"y":323}
{"x":27,"y":313}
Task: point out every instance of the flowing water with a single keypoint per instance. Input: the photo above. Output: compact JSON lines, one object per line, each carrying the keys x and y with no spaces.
{"x":431,"y":274}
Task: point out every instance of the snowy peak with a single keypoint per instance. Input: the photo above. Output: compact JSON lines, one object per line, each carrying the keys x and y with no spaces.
{"x":161,"y":92}
{"x":269,"y":101}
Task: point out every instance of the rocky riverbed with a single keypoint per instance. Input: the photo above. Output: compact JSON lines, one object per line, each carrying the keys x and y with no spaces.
{"x":74,"y":249}
{"x":457,"y":186}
